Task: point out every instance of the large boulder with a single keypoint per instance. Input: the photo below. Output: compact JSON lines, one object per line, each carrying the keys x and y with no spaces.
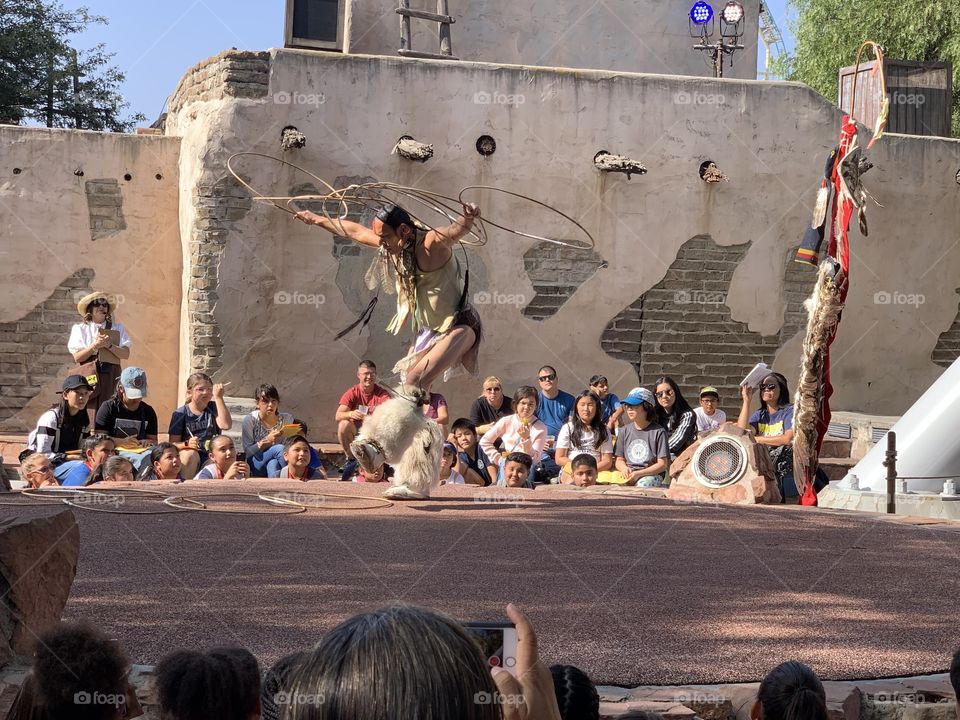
{"x":38,"y":562}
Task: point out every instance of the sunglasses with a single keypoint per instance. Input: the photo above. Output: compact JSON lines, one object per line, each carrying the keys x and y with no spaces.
{"x":545,"y":378}
{"x":45,"y":470}
{"x":769,"y":386}
{"x":100,"y":304}
{"x":664,"y":393}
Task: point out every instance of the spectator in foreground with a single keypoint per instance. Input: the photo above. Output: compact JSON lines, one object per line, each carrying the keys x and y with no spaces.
{"x":709,"y":415}
{"x":362,"y":669}
{"x":274,"y":691}
{"x":585,"y":433}
{"x":791,"y":691}
{"x":577,"y":696}
{"x":675,"y":415}
{"x":517,"y":471}
{"x":297,"y":455}
{"x":520,"y":432}
{"x":355,"y":404}
{"x":73,"y":665}
{"x":222,"y":683}
{"x":642,"y":453}
{"x":583,"y":471}
{"x":194,"y":425}
{"x":955,"y":679}
{"x":163,"y":463}
{"x":36,"y":470}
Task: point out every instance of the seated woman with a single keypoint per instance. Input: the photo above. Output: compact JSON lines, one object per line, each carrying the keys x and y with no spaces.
{"x":262,"y":435}
{"x":193,"y":425}
{"x":449,"y":675}
{"x":675,"y":415}
{"x":610,"y":408}
{"x":773,"y":424}
{"x":96,"y":451}
{"x":585,"y":433}
{"x":60,"y":429}
{"x":225,"y":465}
{"x":127,"y":418}
{"x":36,"y":470}
{"x":520,"y":432}
{"x":163,"y":463}
{"x":490,"y":406}
{"x":436,"y":410}
{"x":297,"y":455}
{"x":791,"y":691}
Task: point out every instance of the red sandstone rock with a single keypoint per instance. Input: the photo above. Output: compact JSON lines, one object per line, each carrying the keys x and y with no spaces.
{"x":38,"y":562}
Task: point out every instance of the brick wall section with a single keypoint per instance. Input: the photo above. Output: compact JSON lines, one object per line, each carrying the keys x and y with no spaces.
{"x":682,"y":326}
{"x":234,"y":73}
{"x":948,"y":345}
{"x":556,"y":272}
{"x":33,"y":349}
{"x":105,"y":206}
{"x":216,"y":207}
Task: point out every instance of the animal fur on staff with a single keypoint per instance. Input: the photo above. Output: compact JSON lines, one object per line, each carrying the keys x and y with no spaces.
{"x":823,"y":308}
{"x":400,"y":434}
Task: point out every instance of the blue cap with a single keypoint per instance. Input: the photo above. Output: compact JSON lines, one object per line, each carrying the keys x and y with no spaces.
{"x":134,"y":383}
{"x":638,"y":395}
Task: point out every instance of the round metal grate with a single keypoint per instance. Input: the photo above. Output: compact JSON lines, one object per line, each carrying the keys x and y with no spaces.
{"x":719,"y":462}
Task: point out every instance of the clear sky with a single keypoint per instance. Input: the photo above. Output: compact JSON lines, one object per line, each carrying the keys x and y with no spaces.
{"x":155,"y":43}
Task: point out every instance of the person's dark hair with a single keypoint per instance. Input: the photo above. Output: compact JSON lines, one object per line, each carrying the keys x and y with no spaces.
{"x":293,"y":440}
{"x":93,"y":442}
{"x":792,"y":691}
{"x":394,"y":216}
{"x":955,"y":673}
{"x":583,"y":459}
{"x":784,"y":398}
{"x":520,"y":457}
{"x":551,"y":368}
{"x":76,"y":659}
{"x":217,"y":439}
{"x":670,"y":419}
{"x":596,"y":426}
{"x":148,"y":472}
{"x":526,"y":391}
{"x":576,"y":694}
{"x":222,"y":683}
{"x":111,"y":467}
{"x":648,"y":408}
{"x":369,"y":364}
{"x":362,"y":669}
{"x":463,"y":424}
{"x":597,"y":380}
{"x":266,"y":392}
{"x":641,"y":715}
{"x":276,"y":682}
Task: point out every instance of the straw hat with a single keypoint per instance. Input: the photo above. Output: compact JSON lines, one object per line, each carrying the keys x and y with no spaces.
{"x":87,"y":299}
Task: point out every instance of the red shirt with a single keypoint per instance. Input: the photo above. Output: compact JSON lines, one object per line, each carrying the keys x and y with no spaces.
{"x":354,"y":398}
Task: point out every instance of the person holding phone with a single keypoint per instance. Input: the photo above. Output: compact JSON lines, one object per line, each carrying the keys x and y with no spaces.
{"x":227,"y":463}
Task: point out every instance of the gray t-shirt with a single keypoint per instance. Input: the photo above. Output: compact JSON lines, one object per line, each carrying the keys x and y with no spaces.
{"x":641,"y":448}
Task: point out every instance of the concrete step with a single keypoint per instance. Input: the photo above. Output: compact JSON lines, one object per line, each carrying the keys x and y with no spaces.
{"x":837,"y":468}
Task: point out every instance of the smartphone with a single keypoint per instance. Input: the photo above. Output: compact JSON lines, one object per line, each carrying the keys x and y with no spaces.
{"x":241,"y":457}
{"x":497,"y":642}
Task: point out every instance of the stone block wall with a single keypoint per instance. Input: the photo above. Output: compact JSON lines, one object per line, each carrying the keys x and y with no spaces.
{"x":233,"y":73}
{"x":105,"y":203}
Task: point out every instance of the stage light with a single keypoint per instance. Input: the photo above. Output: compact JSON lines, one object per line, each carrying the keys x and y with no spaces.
{"x":732,"y":12}
{"x":701,"y":13}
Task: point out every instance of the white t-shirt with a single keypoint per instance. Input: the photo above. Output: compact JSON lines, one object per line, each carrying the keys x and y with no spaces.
{"x":587,"y":444}
{"x":454,"y":479}
{"x":706,"y":422}
{"x":84,"y":334}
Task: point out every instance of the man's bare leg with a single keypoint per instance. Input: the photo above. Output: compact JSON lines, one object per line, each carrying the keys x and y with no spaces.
{"x":445,"y":354}
{"x":346,"y":434}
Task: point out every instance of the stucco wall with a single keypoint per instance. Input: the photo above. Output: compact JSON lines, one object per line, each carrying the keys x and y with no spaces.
{"x":59,"y":190}
{"x":284,"y":289}
{"x":625,"y":35}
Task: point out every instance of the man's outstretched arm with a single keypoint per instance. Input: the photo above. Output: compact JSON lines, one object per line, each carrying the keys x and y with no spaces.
{"x":450,"y":234}
{"x":347,"y":228}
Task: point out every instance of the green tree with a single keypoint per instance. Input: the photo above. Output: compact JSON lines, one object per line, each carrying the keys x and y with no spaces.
{"x":44,"y":79}
{"x":828,"y":33}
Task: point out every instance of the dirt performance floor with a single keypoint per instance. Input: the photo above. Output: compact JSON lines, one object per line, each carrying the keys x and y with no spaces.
{"x":634,"y":590}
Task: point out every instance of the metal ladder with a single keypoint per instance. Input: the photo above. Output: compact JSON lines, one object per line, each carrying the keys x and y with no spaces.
{"x":440,"y":16}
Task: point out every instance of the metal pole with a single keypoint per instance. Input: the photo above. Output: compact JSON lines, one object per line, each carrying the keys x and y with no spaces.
{"x":718,"y":66}
{"x":890,"y":463}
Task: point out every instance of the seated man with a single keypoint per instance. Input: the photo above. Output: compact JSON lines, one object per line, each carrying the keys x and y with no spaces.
{"x":356,"y":403}
{"x":554,"y":408}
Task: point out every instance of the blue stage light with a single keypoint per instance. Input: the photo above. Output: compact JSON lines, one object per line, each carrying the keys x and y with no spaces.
{"x":701,"y":13}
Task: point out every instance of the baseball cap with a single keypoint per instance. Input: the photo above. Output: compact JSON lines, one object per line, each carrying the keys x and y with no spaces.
{"x":450,"y":447}
{"x":638,"y":395}
{"x":134,"y":383}
{"x":74,"y":382}
{"x":709,"y":390}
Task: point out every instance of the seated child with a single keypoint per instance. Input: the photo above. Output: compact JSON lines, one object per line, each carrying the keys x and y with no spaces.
{"x":225,"y":465}
{"x":96,"y":451}
{"x":381,"y":474}
{"x":163,"y":463}
{"x":195,"y":424}
{"x":37,"y":471}
{"x":115,"y":469}
{"x":583,"y":471}
{"x":516,"y":471}
{"x":472,"y":462}
{"x":296,"y":455}
{"x":709,"y":416}
{"x":610,"y":406}
{"x":448,"y":475}
{"x":642,"y":453}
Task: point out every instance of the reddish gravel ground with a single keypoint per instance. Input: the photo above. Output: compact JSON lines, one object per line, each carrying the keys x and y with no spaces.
{"x":634,"y":590}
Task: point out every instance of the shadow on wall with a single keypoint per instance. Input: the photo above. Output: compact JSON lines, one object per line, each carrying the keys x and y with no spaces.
{"x":682,"y":326}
